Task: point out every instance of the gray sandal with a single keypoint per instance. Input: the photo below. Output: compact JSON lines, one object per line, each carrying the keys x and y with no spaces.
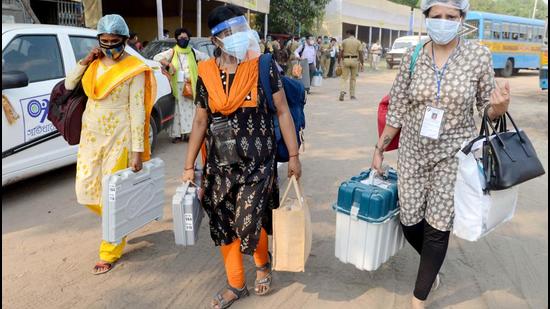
{"x":222,"y":303}
{"x":266,"y":281}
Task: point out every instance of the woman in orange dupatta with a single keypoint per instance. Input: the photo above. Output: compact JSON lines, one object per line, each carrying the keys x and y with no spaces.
{"x":115,"y":125}
{"x":240,"y":183}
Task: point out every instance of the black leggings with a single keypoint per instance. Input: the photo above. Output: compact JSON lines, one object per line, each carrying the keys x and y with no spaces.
{"x":432,"y":246}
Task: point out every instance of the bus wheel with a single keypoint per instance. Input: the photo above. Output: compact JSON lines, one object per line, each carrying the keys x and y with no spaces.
{"x":508,"y":70}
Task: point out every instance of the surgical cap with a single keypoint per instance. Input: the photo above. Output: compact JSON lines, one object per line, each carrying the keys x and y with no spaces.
{"x":462,"y":5}
{"x":113,"y":24}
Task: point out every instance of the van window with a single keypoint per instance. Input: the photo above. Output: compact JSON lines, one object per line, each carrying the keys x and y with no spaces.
{"x":82,"y":46}
{"x":400,"y":45}
{"x":36,"y":55}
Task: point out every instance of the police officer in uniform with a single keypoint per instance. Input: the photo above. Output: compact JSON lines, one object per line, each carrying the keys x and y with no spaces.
{"x":349,"y":59}
{"x":325,"y":56}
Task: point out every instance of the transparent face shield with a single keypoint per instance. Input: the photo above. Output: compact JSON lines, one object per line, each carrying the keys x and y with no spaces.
{"x":235,"y":38}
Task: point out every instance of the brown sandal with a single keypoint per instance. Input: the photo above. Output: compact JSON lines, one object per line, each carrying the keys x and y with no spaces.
{"x":102,"y":267}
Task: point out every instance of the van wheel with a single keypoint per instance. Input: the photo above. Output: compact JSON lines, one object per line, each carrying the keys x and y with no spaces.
{"x":153,"y":131}
{"x":508,"y":70}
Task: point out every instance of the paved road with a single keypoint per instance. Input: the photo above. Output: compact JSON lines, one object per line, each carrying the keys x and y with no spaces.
{"x":49,"y":243}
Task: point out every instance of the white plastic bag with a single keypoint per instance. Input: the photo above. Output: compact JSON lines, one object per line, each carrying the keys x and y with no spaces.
{"x":477,"y":213}
{"x":317,"y":81}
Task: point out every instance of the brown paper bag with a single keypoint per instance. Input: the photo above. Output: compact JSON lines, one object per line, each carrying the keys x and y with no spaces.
{"x":291,"y":232}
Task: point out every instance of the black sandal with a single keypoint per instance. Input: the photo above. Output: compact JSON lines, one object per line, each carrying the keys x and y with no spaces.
{"x":222,"y":303}
{"x":266,"y":281}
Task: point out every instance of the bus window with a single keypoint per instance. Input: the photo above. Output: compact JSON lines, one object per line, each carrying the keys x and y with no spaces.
{"x":474,"y":35}
{"x":505,"y":31}
{"x":487,"y":30}
{"x":514,"y":32}
{"x":530,"y":33}
{"x":523,"y":33}
{"x":540,"y":34}
{"x":496,"y":31}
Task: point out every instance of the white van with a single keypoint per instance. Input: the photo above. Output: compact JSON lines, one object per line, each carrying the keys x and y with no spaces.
{"x":34,"y":59}
{"x":400,"y":47}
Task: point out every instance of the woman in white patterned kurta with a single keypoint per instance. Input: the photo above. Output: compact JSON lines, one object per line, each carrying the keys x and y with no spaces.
{"x":185,"y":107}
{"x":427,"y":166}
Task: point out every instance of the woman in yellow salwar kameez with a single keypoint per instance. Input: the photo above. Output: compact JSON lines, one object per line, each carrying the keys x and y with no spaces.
{"x":115,"y":125}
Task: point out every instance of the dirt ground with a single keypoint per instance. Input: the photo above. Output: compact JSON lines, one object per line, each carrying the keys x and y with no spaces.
{"x":50,"y":243}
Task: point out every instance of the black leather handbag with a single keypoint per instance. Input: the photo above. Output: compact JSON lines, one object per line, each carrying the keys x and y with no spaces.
{"x":508,"y":156}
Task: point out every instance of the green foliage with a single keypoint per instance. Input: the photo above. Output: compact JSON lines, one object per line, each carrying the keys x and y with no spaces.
{"x":522,"y":8}
{"x":409,"y":3}
{"x":291,"y":16}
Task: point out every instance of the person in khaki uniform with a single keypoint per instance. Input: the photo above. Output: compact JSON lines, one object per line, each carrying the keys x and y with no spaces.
{"x":325,"y":56}
{"x":349,"y":59}
{"x":292,"y":45}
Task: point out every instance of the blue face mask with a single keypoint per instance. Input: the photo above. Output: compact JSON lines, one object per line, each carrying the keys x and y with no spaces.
{"x":237,"y":44}
{"x":442,"y":31}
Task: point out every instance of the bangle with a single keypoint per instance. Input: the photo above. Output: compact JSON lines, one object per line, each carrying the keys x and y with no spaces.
{"x":294,"y":155}
{"x":188,"y":169}
{"x":377,"y":148}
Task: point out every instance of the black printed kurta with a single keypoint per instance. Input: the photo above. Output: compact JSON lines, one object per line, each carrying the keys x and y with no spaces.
{"x":239,"y":198}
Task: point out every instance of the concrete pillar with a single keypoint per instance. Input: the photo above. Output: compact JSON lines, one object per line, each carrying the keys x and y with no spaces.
{"x":199,"y":18}
{"x":370,"y":36}
{"x":391,"y":43}
{"x":357,"y":31}
{"x":160,"y":20}
{"x":266,"y":25}
{"x":380,"y":35}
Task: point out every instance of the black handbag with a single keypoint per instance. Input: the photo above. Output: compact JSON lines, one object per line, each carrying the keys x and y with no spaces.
{"x":508,"y":156}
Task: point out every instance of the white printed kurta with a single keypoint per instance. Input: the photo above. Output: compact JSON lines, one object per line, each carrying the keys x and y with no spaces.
{"x":427,"y":168}
{"x":185,"y":107}
{"x":111,"y":129}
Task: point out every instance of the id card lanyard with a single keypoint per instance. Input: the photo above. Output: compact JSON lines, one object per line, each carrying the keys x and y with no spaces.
{"x":439,"y":75}
{"x":434,"y":116}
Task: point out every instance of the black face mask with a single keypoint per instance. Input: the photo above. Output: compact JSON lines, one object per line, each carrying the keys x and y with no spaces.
{"x":183,"y":43}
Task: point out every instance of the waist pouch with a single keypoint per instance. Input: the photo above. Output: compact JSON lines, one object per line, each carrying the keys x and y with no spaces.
{"x":225,"y":142}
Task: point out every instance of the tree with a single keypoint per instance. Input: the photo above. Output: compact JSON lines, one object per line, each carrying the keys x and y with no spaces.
{"x":294,"y":16}
{"x":412,"y":4}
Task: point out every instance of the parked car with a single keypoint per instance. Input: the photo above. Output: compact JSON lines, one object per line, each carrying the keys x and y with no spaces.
{"x":400,"y":47}
{"x":204,"y":45}
{"x":35,"y":58}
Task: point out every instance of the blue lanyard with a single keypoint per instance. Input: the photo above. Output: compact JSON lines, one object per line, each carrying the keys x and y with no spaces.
{"x":439,"y":75}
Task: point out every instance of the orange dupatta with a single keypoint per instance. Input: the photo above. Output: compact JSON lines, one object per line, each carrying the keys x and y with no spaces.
{"x":245,"y":82}
{"x":129,"y":67}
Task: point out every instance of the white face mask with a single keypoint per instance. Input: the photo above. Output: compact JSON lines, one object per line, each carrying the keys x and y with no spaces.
{"x":442,"y":31}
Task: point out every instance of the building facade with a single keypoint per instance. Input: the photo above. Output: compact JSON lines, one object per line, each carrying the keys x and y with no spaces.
{"x":373,"y":20}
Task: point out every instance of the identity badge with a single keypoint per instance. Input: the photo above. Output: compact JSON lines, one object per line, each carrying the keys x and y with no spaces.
{"x":432,"y":123}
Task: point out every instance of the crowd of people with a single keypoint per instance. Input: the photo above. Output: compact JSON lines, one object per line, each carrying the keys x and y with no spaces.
{"x":220,"y":101}
{"x":326,"y":51}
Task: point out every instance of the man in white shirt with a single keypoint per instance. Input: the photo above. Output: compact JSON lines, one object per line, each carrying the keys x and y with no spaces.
{"x":376,"y":51}
{"x":307,"y":51}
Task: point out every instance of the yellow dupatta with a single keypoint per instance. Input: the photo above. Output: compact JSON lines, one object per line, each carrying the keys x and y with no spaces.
{"x":129,"y":67}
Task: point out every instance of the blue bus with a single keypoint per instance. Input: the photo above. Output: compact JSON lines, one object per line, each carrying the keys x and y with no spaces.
{"x":515,"y":42}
